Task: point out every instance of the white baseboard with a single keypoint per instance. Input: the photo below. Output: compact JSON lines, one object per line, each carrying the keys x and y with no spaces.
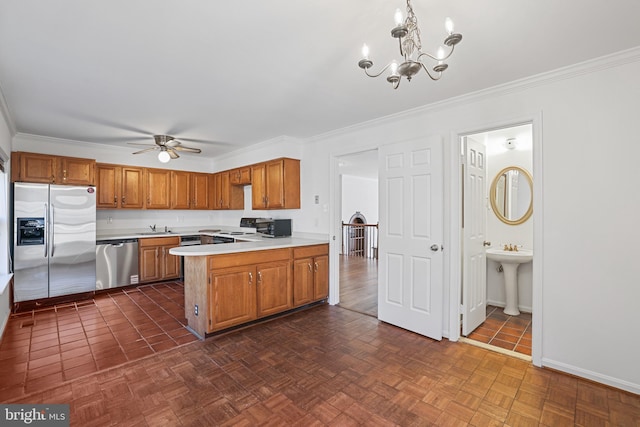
{"x":593,"y":376}
{"x":502,"y":304}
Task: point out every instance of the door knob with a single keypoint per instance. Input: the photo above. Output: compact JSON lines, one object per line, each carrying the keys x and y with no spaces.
{"x":434,"y":248}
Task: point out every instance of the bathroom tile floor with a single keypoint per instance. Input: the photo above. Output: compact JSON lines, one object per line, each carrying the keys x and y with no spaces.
{"x":508,"y":332}
{"x":47,"y":346}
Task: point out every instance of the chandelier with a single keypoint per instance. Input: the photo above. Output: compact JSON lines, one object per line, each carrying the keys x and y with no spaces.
{"x":408,"y":35}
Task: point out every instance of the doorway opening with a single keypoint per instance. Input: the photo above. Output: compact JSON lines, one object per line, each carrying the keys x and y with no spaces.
{"x":488,"y":295}
{"x":357,"y":262}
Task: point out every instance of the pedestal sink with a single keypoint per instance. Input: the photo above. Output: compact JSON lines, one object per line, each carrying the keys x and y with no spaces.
{"x":510,"y":261}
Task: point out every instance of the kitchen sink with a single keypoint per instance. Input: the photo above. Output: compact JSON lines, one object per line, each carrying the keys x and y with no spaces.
{"x":154,"y":233}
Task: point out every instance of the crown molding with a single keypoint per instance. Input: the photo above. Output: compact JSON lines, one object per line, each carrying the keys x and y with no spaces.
{"x":582,"y":68}
{"x":4,"y":108}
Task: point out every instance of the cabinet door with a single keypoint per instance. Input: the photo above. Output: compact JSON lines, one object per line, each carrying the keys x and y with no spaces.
{"x":170,"y":264}
{"x":274,"y":288}
{"x":258,"y":184}
{"x":37,"y":168}
{"x":302,"y":281}
{"x":180,"y":190}
{"x":131,"y":190}
{"x":200,"y":195}
{"x":75,"y":171}
{"x":108,"y":187}
{"x":149,"y":264}
{"x":158,"y":186}
{"x":232,"y":297}
{"x":240,"y":176}
{"x":275,"y":184}
{"x":321,"y":277}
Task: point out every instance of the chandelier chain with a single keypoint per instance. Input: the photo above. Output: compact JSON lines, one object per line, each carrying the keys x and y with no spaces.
{"x":411,"y":42}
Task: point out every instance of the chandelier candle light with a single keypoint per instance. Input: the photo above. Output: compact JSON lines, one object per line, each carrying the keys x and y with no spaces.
{"x":408,"y":35}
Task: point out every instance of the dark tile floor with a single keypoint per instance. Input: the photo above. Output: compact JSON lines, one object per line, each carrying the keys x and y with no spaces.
{"x":508,"y":332}
{"x":45,"y":347}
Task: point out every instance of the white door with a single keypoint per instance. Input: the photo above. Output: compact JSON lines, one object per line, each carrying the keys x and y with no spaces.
{"x":474,"y":268}
{"x":410,"y":288}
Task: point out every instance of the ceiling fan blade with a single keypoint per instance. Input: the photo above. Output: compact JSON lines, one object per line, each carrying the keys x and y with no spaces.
{"x":146,"y":150}
{"x":187,"y":149}
{"x":141,"y":144}
{"x":172,"y":153}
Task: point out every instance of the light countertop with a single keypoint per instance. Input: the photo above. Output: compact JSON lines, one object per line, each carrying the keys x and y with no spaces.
{"x":204,"y":230}
{"x":256,"y":245}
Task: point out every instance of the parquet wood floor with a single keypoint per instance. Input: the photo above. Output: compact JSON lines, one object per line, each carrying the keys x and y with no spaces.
{"x":359,"y":284}
{"x":328,"y":366}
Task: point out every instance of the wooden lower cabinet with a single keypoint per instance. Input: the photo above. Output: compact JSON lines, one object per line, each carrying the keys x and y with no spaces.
{"x":226,"y":290}
{"x":232,"y":297}
{"x":274,"y":288}
{"x":155,"y":263}
{"x":310,"y":274}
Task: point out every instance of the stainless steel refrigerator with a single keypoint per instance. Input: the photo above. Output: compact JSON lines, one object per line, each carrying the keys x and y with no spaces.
{"x":54,"y":240}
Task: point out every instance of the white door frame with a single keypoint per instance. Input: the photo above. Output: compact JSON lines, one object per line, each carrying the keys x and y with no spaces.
{"x":453,"y":211}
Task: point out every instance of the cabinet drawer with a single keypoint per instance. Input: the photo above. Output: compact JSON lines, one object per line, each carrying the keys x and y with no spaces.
{"x":247,"y":258}
{"x":159,"y":241}
{"x":310,"y":251}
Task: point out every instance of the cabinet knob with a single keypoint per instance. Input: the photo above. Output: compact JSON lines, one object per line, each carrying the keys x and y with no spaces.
{"x":250,"y":278}
{"x":309,"y":265}
{"x":115,"y":200}
{"x":315,"y":265}
{"x":123,"y":202}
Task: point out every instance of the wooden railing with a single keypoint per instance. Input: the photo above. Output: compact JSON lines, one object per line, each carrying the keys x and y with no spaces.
{"x":360,"y":240}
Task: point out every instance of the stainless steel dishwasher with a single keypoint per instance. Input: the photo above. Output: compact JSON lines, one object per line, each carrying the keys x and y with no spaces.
{"x":116,"y":263}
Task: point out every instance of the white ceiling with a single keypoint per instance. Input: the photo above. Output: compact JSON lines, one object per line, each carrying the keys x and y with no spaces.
{"x":235,"y":73}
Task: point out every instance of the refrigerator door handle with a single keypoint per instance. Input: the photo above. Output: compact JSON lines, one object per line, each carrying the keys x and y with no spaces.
{"x":46,"y":225}
{"x":52,"y":230}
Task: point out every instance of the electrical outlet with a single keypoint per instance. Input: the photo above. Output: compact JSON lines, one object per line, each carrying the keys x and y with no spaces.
{"x":317,"y":200}
{"x":195,"y":310}
{"x":109,"y":220}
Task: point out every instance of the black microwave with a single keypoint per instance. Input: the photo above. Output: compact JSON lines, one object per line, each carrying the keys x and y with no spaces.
{"x":279,"y":228}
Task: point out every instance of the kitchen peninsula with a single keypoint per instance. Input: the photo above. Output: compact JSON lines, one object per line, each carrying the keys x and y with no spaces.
{"x":233,"y":284}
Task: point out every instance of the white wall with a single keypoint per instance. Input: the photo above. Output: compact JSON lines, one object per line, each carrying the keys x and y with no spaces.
{"x":359,"y":194}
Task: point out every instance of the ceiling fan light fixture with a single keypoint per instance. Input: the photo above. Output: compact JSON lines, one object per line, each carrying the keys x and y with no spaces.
{"x":164,"y":156}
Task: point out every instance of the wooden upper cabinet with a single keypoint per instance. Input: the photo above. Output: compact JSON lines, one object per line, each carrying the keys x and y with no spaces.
{"x":158,"y":188}
{"x":180,"y":190}
{"x":119,"y":187}
{"x":276,"y":184}
{"x":240,"y":176}
{"x":132,"y":187}
{"x":108,"y":186}
{"x":225,"y":195}
{"x":49,"y":169}
{"x":200,"y":190}
{"x":75,"y":171}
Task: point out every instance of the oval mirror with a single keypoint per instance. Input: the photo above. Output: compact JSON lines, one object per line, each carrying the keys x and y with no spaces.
{"x":511,"y":195}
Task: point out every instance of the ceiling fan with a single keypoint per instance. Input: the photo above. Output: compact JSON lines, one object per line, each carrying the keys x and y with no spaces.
{"x":168,"y":147}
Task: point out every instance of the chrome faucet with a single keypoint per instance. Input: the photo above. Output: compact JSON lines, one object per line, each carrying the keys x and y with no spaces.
{"x":153,"y":227}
